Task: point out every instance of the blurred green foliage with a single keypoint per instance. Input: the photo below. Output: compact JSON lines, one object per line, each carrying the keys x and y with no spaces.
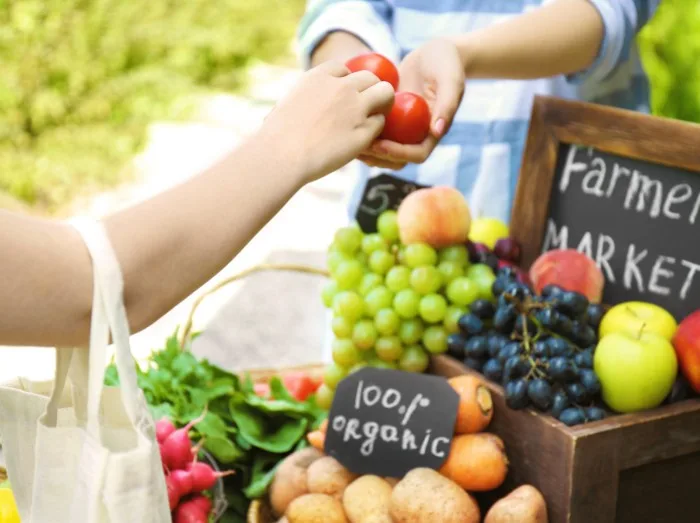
{"x":80,"y":80}
{"x":670,"y":47}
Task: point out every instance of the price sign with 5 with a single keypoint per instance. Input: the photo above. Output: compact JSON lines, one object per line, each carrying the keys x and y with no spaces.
{"x":382,"y":193}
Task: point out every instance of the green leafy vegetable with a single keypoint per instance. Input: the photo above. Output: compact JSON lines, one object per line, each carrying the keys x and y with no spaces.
{"x":240,"y":429}
{"x":224,"y":450}
{"x":262,"y":472}
{"x":274,"y":434}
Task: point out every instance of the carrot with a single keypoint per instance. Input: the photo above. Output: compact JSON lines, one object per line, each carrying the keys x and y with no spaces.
{"x":477,"y":462}
{"x":323,"y":427}
{"x":475,"y":404}
{"x":317,"y":439}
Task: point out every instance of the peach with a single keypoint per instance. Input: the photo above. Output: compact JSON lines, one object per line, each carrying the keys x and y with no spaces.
{"x":570,"y":270}
{"x":438,"y":216}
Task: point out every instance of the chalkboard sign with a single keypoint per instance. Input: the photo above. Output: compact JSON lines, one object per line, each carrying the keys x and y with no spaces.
{"x":623,"y":188}
{"x":382,"y":192}
{"x":388,"y":422}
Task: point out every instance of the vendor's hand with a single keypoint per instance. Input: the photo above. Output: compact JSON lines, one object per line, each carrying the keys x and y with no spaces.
{"x":328,"y":119}
{"x":436,"y":72}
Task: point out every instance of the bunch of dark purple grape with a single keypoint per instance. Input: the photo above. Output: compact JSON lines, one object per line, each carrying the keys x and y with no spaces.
{"x":540,"y":348}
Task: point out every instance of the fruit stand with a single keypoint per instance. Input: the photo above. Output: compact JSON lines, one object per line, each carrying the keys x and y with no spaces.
{"x":592,"y":377}
{"x":481,"y":373}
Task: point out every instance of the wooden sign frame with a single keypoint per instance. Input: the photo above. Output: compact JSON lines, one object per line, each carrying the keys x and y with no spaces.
{"x":625,"y":133}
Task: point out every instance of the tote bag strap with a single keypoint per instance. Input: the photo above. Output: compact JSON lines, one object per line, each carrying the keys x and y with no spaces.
{"x":63,"y":365}
{"x":109,"y":314}
{"x":74,"y":363}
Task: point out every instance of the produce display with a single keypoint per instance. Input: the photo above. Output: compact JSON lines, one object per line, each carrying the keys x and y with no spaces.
{"x":311,"y":487}
{"x":540,"y":348}
{"x":246,"y":429}
{"x":433,"y":279}
{"x":189,"y":481}
{"x":395,"y":303}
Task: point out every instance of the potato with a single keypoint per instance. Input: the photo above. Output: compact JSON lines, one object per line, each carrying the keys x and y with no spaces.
{"x":315,"y":508}
{"x":367,"y":500}
{"x":392,"y":481}
{"x":328,"y":476}
{"x":425,"y":496}
{"x":290,"y":479}
{"x":524,"y":505}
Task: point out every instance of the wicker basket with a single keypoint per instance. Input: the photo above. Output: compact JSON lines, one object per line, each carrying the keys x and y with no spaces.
{"x":259,"y":510}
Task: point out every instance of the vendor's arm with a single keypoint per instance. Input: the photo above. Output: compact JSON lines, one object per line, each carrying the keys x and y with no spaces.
{"x":341,"y":29}
{"x":172,"y":244}
{"x":587,"y":39}
{"x":561,"y":37}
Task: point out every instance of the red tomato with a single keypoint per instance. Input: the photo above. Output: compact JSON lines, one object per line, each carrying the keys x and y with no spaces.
{"x":408,"y":122}
{"x":299,"y":385}
{"x":262,"y":390}
{"x":375,"y":63}
{"x":317,"y":381}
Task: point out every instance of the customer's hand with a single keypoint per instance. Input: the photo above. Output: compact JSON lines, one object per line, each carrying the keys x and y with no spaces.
{"x":327,"y":119}
{"x":436,"y":72}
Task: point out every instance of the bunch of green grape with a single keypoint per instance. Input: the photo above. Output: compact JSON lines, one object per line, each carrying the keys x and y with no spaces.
{"x":394,"y":305}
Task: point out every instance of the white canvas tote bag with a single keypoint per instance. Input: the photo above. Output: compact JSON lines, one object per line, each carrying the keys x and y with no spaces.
{"x":90,"y":456}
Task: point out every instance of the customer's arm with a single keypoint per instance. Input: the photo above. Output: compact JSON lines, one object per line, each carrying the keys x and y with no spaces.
{"x":172,"y":244}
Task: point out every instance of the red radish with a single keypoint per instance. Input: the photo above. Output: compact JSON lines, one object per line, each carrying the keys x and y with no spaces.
{"x":162,"y":459}
{"x":204,"y":477}
{"x":173,"y":492}
{"x":164,"y":428}
{"x":197,"y":448}
{"x":177,"y":448}
{"x":202,"y":502}
{"x":182,"y":480}
{"x":190,"y":513}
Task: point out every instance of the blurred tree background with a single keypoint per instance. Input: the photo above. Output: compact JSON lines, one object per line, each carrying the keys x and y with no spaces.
{"x":670,"y":47}
{"x":81,"y":79}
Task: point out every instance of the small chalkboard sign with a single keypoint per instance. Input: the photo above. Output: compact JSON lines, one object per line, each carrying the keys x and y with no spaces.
{"x":388,"y":422}
{"x":622,"y":187}
{"x":382,"y":192}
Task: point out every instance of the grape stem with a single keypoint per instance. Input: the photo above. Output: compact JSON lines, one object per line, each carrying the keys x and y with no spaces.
{"x":555,"y":335}
{"x":528,"y":349}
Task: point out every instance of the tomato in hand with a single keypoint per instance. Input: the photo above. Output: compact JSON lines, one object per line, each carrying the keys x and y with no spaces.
{"x":408,"y":122}
{"x":379,"y":65}
{"x":299,"y":385}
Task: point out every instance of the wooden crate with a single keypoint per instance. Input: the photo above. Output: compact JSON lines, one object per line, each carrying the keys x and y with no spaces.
{"x":633,"y":468}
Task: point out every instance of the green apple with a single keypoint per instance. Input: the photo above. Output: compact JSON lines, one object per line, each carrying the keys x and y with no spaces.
{"x":488,"y":231}
{"x":636,"y":372}
{"x":634,"y":316}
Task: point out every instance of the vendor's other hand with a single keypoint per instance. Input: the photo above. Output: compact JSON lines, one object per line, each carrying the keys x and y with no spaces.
{"x":436,"y":72}
{"x":329,"y":118}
